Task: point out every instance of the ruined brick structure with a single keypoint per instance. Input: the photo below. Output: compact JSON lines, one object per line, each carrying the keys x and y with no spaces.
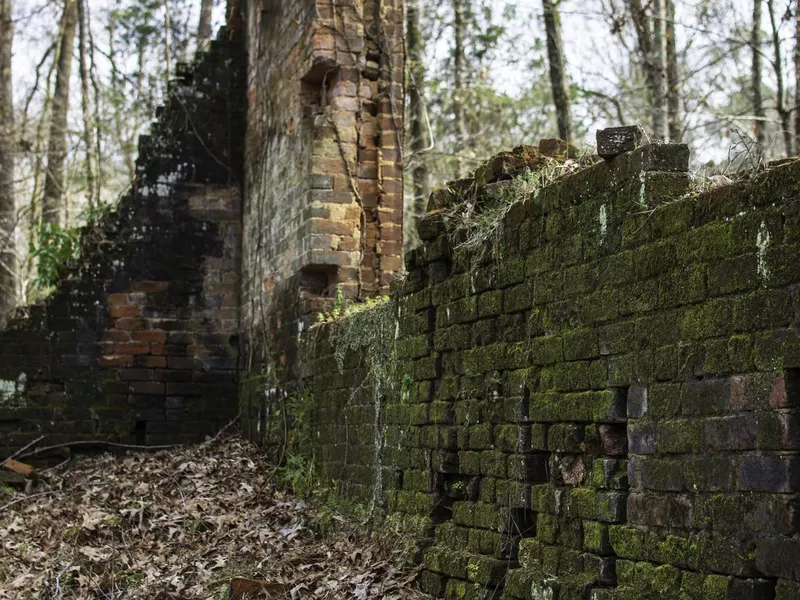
{"x":138,"y":344}
{"x":602,"y":401}
{"x":323,"y":202}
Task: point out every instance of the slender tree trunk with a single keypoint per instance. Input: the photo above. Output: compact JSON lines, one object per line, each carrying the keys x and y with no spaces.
{"x":204,"y":28}
{"x":797,"y":74}
{"x":459,"y":66}
{"x":167,"y":51}
{"x":673,"y":95}
{"x":756,"y":75}
{"x":7,"y":198}
{"x":88,"y":131}
{"x":780,"y":105}
{"x":558,"y":72}
{"x":660,"y":103}
{"x":55,"y":178}
{"x":419,"y":141}
{"x":97,"y":99}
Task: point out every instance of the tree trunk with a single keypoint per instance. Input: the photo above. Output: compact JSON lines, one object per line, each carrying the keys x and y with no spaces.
{"x":756,"y":74}
{"x":459,"y":65}
{"x":558,"y":74}
{"x":780,"y":92}
{"x":204,"y":28}
{"x":673,"y":95}
{"x":55,"y":178}
{"x":167,"y":52}
{"x":88,"y":131}
{"x":419,"y":141}
{"x":660,"y":104}
{"x":797,"y":73}
{"x":7,"y":198}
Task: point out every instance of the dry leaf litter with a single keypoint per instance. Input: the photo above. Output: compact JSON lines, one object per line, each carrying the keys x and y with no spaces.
{"x":182,"y":524}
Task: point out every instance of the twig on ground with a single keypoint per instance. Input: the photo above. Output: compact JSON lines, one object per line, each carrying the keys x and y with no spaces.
{"x":18,"y":500}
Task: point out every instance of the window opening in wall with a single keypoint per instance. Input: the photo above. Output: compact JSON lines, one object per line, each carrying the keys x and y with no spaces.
{"x":316,"y":86}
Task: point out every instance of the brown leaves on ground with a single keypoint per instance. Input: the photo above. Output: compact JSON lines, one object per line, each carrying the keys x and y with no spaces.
{"x":183,"y":524}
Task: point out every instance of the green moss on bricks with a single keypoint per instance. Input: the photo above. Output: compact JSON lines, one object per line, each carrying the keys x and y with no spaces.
{"x":627,"y":542}
{"x":546,"y":528}
{"x":596,"y":538}
{"x":715,"y":587}
{"x":680,"y":436}
{"x":582,"y":503}
{"x":485,"y":570}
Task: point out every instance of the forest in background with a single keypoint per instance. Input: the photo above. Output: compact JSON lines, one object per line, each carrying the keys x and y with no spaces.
{"x":81,"y":79}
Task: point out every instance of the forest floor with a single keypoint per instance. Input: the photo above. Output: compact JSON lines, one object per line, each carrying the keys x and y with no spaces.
{"x":200,"y":521}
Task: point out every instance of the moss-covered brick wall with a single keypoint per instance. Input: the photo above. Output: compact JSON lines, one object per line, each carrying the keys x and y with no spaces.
{"x":139,"y":341}
{"x":606,"y":404}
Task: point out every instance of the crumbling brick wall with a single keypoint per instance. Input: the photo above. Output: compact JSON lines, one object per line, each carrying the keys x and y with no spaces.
{"x":138,"y":343}
{"x":323,"y":202}
{"x":606,"y":406}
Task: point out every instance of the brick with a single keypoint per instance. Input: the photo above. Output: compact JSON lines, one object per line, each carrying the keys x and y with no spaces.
{"x":768,"y":473}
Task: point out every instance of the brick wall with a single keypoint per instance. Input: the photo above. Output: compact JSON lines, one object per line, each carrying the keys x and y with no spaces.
{"x":608,"y":408}
{"x":323,"y":201}
{"x":139,"y":343}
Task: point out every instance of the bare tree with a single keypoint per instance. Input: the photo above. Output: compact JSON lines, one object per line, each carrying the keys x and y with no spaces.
{"x":652,"y":45}
{"x":459,"y":68}
{"x":660,"y":105}
{"x":416,"y":81}
{"x":204,"y":27}
{"x":7,"y":137}
{"x":558,"y":74}
{"x":673,"y":92}
{"x":55,"y":178}
{"x":780,"y":93}
{"x":167,"y":51}
{"x":797,"y":72}
{"x":86,"y":108}
{"x":756,"y":75}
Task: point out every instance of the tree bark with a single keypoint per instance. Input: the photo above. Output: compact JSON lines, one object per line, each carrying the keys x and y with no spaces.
{"x":55,"y":178}
{"x":780,"y":104}
{"x":7,"y":137}
{"x":419,"y":141}
{"x":756,"y":74}
{"x":673,"y":92}
{"x":204,"y":27}
{"x":86,"y":107}
{"x":558,"y":74}
{"x":660,"y":104}
{"x":459,"y":65}
{"x":167,"y":52}
{"x":797,"y":73}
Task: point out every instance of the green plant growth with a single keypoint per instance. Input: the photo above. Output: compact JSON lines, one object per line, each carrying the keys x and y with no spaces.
{"x":340,"y":310}
{"x":55,"y":247}
{"x":475,"y":220}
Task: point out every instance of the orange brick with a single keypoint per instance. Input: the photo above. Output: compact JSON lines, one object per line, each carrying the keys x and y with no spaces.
{"x":133,"y":348}
{"x":156,"y":337}
{"x":118,"y":299}
{"x":116,"y":336}
{"x":128,"y":310}
{"x":130,"y":323}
